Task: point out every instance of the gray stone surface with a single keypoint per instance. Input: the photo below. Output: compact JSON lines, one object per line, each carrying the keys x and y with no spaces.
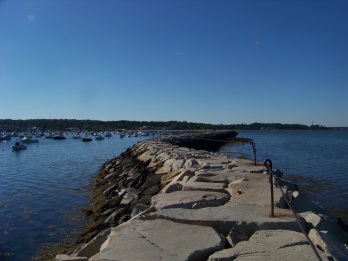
{"x":287,"y":184}
{"x":236,"y":235}
{"x":63,"y":257}
{"x":189,"y":199}
{"x":178,"y":181}
{"x":205,"y":186}
{"x":254,"y":189}
{"x":93,"y":246}
{"x":324,"y":223}
{"x":145,"y":156}
{"x":270,"y":245}
{"x":167,"y":167}
{"x":138,"y":209}
{"x":223,"y":218}
{"x":329,"y":244}
{"x":219,"y":161}
{"x":160,"y":240}
{"x":217,"y":176}
{"x":177,"y":164}
{"x":244,"y":163}
{"x":208,"y":172}
{"x":163,"y":156}
{"x":250,"y":169}
{"x":302,"y":203}
{"x":152,"y":190}
{"x":172,"y":187}
{"x":191,"y":162}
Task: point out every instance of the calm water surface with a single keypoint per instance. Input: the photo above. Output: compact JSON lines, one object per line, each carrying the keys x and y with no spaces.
{"x":42,"y":186}
{"x":316,"y":160}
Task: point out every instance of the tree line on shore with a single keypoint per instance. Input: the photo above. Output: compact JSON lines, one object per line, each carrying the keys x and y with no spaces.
{"x":66,"y":124}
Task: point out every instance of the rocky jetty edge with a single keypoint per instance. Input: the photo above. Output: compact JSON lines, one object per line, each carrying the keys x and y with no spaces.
{"x":160,"y":200}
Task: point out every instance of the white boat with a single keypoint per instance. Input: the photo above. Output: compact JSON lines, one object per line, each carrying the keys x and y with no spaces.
{"x":39,"y":134}
{"x":59,"y":136}
{"x":108,"y":134}
{"x":18,"y":146}
{"x":29,"y":139}
{"x":5,"y":137}
{"x":86,"y":138}
{"x":99,"y":137}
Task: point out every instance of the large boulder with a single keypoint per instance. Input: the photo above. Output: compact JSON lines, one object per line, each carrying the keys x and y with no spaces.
{"x":248,"y":218}
{"x":205,"y":186}
{"x":93,"y":246}
{"x":160,"y":240}
{"x":327,"y":224}
{"x":302,"y":203}
{"x":189,"y":199}
{"x":270,"y":245}
{"x":329,"y":244}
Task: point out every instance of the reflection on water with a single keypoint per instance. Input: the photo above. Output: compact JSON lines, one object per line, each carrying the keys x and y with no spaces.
{"x":315,"y":160}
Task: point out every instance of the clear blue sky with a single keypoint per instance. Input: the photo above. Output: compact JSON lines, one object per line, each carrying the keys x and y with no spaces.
{"x":228,"y":62}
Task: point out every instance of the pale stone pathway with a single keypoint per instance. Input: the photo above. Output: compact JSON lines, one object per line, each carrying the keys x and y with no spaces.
{"x":212,"y":207}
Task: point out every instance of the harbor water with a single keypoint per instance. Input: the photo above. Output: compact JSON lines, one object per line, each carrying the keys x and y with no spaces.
{"x":43,"y":187}
{"x":315,"y":160}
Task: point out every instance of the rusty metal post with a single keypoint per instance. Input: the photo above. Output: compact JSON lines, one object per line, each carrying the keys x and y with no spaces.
{"x":268,"y":165}
{"x":254,"y":149}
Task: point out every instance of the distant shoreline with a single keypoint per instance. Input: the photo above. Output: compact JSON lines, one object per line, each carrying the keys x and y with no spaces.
{"x":7,"y":125}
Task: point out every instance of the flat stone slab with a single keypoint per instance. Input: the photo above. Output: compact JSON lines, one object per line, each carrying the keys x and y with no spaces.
{"x":206,"y":175}
{"x":250,"y":169}
{"x":329,"y":244}
{"x":244,"y":162}
{"x":213,"y":162}
{"x":177,"y":164}
{"x":270,"y":245}
{"x":223,"y":218}
{"x":70,"y":258}
{"x":254,"y":189}
{"x":160,"y":240}
{"x":213,"y":178}
{"x":209,"y":172}
{"x":189,"y":199}
{"x":204,"y":186}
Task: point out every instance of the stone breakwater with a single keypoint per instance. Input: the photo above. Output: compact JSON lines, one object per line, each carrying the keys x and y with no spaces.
{"x":159,"y":201}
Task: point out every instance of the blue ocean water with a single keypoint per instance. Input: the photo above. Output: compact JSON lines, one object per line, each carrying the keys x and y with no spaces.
{"x":315,"y":160}
{"x":43,"y":185}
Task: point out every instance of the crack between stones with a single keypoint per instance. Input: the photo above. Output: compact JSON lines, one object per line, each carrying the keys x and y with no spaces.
{"x":295,"y":244}
{"x":152,"y":243}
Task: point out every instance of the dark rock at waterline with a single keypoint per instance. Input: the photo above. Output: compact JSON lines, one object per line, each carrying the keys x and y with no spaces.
{"x":211,"y":141}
